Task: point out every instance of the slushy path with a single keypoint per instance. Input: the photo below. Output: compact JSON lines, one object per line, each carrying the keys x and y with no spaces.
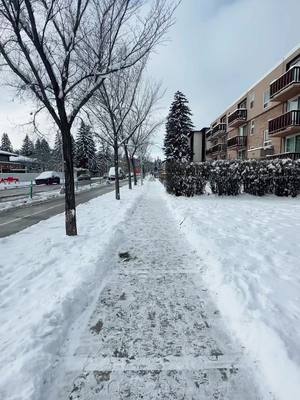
{"x":154,"y":332}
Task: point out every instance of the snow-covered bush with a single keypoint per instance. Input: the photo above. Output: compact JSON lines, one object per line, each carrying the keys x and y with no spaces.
{"x":185,"y":178}
{"x":256,"y":176}
{"x":225,"y":178}
{"x":231,"y":177}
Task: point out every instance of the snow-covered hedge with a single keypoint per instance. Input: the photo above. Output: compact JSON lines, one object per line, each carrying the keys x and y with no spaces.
{"x":257,"y":177}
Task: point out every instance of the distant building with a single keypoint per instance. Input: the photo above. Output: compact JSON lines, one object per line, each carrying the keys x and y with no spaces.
{"x":197,"y":144}
{"x":265,"y":121}
{"x":5,"y":164}
{"x":12,"y":163}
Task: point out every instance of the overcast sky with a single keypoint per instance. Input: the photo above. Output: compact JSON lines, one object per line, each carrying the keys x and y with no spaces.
{"x":217,"y":49}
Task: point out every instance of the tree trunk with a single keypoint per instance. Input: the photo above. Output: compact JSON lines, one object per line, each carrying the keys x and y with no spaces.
{"x":134,"y":171}
{"x":116,"y":160}
{"x":70,"y":206}
{"x":128,"y":166}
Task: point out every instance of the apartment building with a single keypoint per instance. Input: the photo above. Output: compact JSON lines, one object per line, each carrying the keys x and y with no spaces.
{"x":265,"y":121}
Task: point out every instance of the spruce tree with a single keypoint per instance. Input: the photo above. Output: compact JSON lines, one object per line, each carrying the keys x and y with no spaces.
{"x":85,"y":147}
{"x":27,"y":147}
{"x":178,"y":126}
{"x":6,"y":143}
{"x":57,"y":155}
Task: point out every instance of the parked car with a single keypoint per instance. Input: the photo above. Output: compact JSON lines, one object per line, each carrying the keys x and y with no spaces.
{"x":112,"y":176}
{"x":48,"y":178}
{"x":84,"y":177}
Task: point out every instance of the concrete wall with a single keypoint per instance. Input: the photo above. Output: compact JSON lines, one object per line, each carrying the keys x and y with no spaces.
{"x":197,"y":157}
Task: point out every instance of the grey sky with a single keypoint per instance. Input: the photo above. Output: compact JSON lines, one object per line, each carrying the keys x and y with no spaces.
{"x":217,"y":49}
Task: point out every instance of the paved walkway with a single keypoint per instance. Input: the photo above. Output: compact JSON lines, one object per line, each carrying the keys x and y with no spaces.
{"x":155,"y":332}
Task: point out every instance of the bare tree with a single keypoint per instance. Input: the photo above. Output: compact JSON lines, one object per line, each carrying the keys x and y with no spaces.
{"x":61,"y":51}
{"x":140,"y":141}
{"x":114,"y":104}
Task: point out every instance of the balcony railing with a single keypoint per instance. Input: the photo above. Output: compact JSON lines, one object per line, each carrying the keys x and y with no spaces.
{"x":237,"y":141}
{"x":218,"y":148}
{"x":285,"y":124}
{"x":208,"y":133}
{"x":219,"y":129}
{"x":238,"y":117}
{"x":287,"y":86}
{"x":292,"y":156}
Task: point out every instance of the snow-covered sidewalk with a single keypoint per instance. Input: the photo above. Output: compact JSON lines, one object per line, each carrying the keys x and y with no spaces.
{"x":153,"y":332}
{"x":46,"y":280}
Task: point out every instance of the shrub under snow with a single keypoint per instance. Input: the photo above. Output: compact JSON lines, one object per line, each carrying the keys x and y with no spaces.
{"x":256,"y":177}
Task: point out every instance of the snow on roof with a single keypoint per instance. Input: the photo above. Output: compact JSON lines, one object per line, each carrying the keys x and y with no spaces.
{"x":46,"y":175}
{"x":7,"y":153}
{"x":22,"y":159}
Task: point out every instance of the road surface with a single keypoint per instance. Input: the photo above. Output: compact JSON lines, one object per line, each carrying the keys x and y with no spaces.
{"x":23,"y":191}
{"x":17,"y":219}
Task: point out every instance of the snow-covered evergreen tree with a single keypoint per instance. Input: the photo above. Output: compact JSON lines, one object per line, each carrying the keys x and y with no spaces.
{"x":178,"y":126}
{"x":85,"y":148}
{"x":6,"y":143}
{"x":27,"y":147}
{"x":57,"y":156}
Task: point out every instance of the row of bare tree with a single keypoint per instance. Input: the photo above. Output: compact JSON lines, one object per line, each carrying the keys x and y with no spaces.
{"x":72,"y":56}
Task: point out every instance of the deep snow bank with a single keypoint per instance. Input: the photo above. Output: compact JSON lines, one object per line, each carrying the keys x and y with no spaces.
{"x":46,"y":278}
{"x":251,"y":248}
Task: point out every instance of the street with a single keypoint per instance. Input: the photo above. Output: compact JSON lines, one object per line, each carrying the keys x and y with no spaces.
{"x":16,"y":219}
{"x":23,"y":191}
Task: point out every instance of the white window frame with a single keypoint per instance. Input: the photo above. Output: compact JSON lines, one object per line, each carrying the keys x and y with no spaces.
{"x":252,"y":99}
{"x":290,"y":137}
{"x":266,"y":103}
{"x":252,"y":127}
{"x":267,"y":141}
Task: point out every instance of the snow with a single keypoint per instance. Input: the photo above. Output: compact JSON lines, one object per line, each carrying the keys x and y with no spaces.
{"x":153,"y":331}
{"x":46,"y":277}
{"x":244,"y":249}
{"x":251,"y":248}
{"x":43,"y":196}
{"x":21,"y":158}
{"x":47,"y":174}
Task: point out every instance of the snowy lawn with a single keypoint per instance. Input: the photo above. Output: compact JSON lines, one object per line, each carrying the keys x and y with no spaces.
{"x":46,"y":279}
{"x":251,"y":247}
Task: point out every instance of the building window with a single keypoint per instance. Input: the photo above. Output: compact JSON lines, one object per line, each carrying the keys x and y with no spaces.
{"x":243,"y":104}
{"x":266,"y":98}
{"x":252,"y":127}
{"x":252,"y":98}
{"x":243,"y":130}
{"x":267,"y":140}
{"x":242,"y":154}
{"x":292,"y":144}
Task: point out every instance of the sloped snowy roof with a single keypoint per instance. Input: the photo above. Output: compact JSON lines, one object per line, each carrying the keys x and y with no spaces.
{"x":17,"y":158}
{"x":7,"y":153}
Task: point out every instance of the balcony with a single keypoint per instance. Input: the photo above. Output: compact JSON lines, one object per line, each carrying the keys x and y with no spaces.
{"x":237,"y":118}
{"x":218,"y":148}
{"x":237,"y":141}
{"x":208,"y":133}
{"x":285,"y":124}
{"x":219,"y":130}
{"x":287,"y":86}
{"x":292,"y":156}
